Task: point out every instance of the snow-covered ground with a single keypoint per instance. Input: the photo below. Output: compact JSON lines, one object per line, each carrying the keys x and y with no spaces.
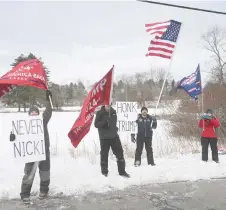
{"x":75,"y":171}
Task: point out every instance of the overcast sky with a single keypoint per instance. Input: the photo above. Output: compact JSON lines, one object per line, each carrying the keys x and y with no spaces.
{"x":82,"y":40}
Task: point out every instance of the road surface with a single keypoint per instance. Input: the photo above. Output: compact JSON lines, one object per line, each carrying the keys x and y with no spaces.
{"x":200,"y":195}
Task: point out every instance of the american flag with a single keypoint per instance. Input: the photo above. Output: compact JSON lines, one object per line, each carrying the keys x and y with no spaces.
{"x":166,"y":34}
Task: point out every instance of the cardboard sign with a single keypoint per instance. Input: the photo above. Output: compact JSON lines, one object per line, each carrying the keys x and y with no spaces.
{"x":29,"y":144}
{"x":127,"y":114}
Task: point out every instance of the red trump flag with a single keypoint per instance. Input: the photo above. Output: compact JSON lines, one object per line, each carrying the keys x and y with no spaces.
{"x":26,"y":73}
{"x":99,"y":95}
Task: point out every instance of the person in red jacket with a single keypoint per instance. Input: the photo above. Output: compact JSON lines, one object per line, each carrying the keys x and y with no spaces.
{"x":209,"y":123}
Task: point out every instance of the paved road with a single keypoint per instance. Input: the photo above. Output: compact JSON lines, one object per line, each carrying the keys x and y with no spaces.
{"x":201,"y":195}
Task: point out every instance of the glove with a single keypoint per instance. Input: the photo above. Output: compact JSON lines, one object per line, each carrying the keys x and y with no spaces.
{"x":133,"y":139}
{"x":48,"y":95}
{"x":12,"y":136}
{"x":207,"y":117}
{"x":154,"y":118}
{"x":107,"y":122}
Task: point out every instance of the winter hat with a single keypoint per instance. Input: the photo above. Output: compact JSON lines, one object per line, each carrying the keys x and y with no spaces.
{"x":33,"y":109}
{"x":144,"y":108}
{"x":210,"y":111}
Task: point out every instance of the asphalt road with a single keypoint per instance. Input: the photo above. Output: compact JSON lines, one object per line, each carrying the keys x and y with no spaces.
{"x":200,"y":195}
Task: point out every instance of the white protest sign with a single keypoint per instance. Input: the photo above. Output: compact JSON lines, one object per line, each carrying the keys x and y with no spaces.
{"x":127,"y":114}
{"x":29,"y":143}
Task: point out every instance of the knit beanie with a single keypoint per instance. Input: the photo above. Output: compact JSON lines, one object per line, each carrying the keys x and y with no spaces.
{"x":33,"y":109}
{"x":144,"y":108}
{"x":210,"y":111}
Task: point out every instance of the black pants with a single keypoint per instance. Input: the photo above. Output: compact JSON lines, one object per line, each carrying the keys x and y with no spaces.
{"x":29,"y":174}
{"x":148,"y":147}
{"x":116,"y":147}
{"x":213,"y":145}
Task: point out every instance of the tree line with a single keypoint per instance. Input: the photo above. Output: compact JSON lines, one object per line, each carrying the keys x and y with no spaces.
{"x":141,"y":87}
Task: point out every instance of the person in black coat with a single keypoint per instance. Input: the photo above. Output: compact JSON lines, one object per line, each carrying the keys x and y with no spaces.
{"x":106,"y":122}
{"x":145,"y":124}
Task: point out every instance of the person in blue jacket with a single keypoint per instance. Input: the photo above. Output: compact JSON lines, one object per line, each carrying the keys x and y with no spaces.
{"x":145,"y":125}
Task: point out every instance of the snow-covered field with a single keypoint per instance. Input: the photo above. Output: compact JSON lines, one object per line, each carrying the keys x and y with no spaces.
{"x":168,"y":107}
{"x":76,"y":171}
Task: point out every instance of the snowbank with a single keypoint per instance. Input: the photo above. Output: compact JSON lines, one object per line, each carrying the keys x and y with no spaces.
{"x":78,"y":176}
{"x":76,"y":171}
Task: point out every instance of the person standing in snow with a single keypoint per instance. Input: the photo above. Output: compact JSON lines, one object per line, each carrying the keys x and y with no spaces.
{"x":44,"y":166}
{"x":106,"y":123}
{"x":209,"y":123}
{"x":145,"y":124}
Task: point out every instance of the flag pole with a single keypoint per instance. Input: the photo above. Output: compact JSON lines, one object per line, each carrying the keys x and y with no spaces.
{"x":202,"y":95}
{"x":163,"y":85}
{"x":202,"y":99}
{"x":202,"y":103}
{"x":51,"y":102}
{"x":35,"y":165}
{"x":112,"y":82}
{"x":167,"y":72}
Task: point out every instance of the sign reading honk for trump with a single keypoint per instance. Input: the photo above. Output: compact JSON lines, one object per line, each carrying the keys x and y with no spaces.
{"x":127,"y":114}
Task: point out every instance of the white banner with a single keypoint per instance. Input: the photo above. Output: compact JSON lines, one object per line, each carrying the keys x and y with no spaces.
{"x":127,"y":114}
{"x":29,"y":143}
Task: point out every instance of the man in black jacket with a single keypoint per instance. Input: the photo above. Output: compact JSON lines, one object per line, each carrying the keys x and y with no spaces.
{"x":106,"y":122}
{"x":145,"y":124}
{"x":44,"y":166}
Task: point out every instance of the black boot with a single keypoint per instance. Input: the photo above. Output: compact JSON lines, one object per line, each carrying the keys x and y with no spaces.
{"x":150,"y":158}
{"x":121,"y":165}
{"x":105,"y":174}
{"x":121,"y":168}
{"x":137,"y":163}
{"x":126,"y":175}
{"x":42,"y":195}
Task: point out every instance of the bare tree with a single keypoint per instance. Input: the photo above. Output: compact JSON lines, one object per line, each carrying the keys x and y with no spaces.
{"x":215,"y":43}
{"x":160,"y":74}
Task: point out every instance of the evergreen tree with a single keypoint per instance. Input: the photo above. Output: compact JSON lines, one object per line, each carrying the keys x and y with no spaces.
{"x":70,"y":91}
{"x":57,"y":98}
{"x":81,"y":93}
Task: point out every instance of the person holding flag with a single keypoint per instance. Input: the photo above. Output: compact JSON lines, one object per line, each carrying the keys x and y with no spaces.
{"x":31,"y":73}
{"x":44,"y":166}
{"x":209,"y":123}
{"x":192,"y":85}
{"x":106,"y":119}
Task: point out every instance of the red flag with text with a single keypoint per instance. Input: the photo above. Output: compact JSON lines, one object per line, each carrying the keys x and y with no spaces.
{"x":99,"y":95}
{"x":26,"y":73}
